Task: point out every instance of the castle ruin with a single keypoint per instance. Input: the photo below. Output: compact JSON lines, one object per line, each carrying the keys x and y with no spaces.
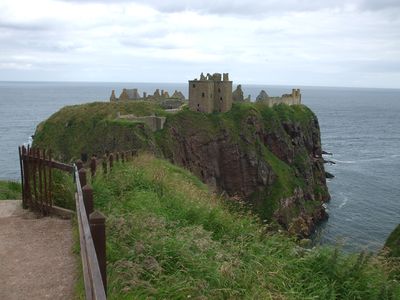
{"x":211,"y":93}
{"x":289,"y":99}
{"x":154,"y":122}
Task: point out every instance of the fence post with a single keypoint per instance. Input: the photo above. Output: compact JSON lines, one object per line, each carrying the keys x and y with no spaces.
{"x":93,"y":166}
{"x":104,"y":164}
{"x":98,"y":229}
{"x":87,"y":193}
{"x":82,"y":177}
{"x":111,"y":161}
{"x":117,"y":156}
{"x":79,"y":164}
{"x":123,"y":157}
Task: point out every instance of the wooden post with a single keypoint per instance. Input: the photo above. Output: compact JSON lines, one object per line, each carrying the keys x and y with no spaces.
{"x":104,"y":164}
{"x":123,"y":157}
{"x":27,"y":189}
{"x":34,"y":172}
{"x":111,"y":161}
{"x":79,"y":164}
{"x":82,"y":177}
{"x":93,"y":166}
{"x":21,"y":151}
{"x":46,"y":199}
{"x":117,"y":156}
{"x":50,"y":180}
{"x":87,"y":193}
{"x":98,"y":229}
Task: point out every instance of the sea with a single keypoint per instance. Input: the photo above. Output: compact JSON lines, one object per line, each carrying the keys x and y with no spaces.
{"x":359,"y":126}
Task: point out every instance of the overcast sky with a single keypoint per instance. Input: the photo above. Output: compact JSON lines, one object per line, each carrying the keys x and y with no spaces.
{"x":289,"y":42}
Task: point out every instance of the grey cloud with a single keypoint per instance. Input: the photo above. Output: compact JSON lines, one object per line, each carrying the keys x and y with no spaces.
{"x":375,"y":66}
{"x":24,"y":26}
{"x":148,"y":43}
{"x":379,"y":4}
{"x":255,"y":7}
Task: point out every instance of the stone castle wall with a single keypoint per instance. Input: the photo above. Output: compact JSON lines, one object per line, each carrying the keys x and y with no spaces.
{"x":210,"y":94}
{"x":201,"y":95}
{"x":290,"y":99}
{"x":155,"y":123}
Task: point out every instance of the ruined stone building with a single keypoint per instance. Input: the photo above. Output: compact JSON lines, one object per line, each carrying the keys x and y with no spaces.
{"x":211,"y":93}
{"x":289,"y":99}
{"x":155,"y":123}
{"x":133,"y":94}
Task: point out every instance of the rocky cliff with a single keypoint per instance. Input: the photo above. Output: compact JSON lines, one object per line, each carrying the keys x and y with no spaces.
{"x":267,"y":157}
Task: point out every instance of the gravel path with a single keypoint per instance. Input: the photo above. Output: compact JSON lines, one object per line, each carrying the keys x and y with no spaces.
{"x":36,"y":259}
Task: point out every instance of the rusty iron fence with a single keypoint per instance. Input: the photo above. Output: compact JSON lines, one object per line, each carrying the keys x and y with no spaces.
{"x":36,"y":178}
{"x":37,"y":194}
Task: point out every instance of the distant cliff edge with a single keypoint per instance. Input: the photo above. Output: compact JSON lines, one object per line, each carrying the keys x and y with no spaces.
{"x":269,"y":157}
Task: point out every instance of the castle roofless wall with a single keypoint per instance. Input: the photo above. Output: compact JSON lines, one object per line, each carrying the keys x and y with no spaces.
{"x":210,"y":94}
{"x":201,"y":95}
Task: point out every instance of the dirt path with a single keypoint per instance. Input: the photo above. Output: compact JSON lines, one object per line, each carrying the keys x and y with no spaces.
{"x":36,"y":259}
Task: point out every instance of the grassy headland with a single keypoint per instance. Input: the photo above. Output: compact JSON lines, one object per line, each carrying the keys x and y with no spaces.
{"x":265,"y":155}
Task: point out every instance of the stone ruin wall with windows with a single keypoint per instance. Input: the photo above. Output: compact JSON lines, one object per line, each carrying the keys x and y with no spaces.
{"x":211,"y":93}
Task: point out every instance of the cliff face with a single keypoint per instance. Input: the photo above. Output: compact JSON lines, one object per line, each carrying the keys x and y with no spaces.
{"x":270,"y":157}
{"x":392,"y":243}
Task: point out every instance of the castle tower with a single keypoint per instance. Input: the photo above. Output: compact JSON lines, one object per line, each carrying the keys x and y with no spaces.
{"x":222,"y":93}
{"x":210,"y":93}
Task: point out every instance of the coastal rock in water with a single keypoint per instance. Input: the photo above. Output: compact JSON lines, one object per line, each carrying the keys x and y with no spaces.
{"x":329,"y":175}
{"x":262,"y":96}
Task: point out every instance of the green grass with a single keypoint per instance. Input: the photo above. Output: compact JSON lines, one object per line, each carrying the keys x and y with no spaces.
{"x":10,"y":190}
{"x":169,"y":238}
{"x":93,"y":128}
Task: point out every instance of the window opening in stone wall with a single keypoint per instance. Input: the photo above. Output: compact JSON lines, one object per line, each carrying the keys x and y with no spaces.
{"x":219,"y":90}
{"x":203,"y":95}
{"x":193,"y":85}
{"x":220,"y":98}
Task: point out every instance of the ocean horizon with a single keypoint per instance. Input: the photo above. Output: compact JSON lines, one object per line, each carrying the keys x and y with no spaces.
{"x":358,"y":125}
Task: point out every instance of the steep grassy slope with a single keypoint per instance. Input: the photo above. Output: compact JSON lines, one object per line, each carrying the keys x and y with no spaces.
{"x":169,"y":238}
